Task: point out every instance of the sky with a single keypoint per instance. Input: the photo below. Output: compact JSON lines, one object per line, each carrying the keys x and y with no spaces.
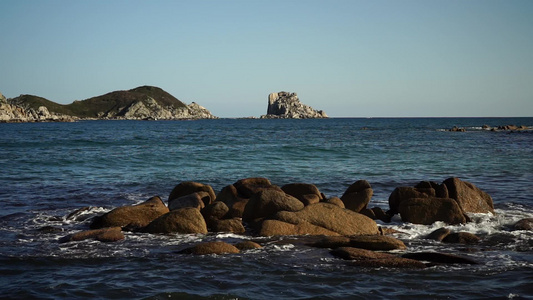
{"x":379,"y":58}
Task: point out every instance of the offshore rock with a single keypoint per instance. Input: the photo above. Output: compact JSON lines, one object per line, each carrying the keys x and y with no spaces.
{"x":430,"y":210}
{"x":184,"y":220}
{"x":211,"y":248}
{"x":471,"y":198}
{"x":367,"y":258}
{"x":132,"y":217}
{"x":286,"y":105}
{"x":357,"y":196}
{"x":110,"y":234}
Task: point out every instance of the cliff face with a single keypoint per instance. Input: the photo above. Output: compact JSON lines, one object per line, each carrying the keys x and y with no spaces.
{"x":142,"y":103}
{"x":287,"y":106}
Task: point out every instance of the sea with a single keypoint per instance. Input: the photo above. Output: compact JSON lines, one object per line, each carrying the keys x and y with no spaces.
{"x":50,"y":170}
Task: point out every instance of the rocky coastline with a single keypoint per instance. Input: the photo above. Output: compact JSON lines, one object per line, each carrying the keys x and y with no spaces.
{"x":254,"y":207}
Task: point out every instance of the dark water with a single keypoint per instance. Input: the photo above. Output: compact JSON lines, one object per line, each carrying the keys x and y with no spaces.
{"x":48,"y":170}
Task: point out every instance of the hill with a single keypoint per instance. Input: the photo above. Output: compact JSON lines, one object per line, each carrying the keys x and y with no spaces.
{"x":145,"y":102}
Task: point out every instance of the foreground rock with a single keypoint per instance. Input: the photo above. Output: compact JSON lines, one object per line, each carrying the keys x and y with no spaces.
{"x":319,"y":219}
{"x":367,"y":258}
{"x":111,"y":234}
{"x":211,"y":248}
{"x":287,"y":106}
{"x":368,"y":242}
{"x":429,"y":210}
{"x":132,"y":217}
{"x":268,"y":202}
{"x":440,"y":258}
{"x":357,"y":196}
{"x":471,"y":198}
{"x":185,"y":220}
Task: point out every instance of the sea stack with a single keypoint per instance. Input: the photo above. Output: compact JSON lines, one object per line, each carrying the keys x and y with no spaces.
{"x":285,"y":105}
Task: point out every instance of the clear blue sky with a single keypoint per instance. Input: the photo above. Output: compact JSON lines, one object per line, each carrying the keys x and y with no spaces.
{"x":350,"y":58}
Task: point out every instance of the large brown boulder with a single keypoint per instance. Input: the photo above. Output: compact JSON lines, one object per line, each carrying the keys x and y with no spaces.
{"x":357,"y":196}
{"x":247,"y":187}
{"x":227,"y":225}
{"x":247,"y":245}
{"x":216,"y":210}
{"x":307,"y":193}
{"x":211,"y":248}
{"x":461,"y":238}
{"x":267,"y":202}
{"x":429,"y":210}
{"x":277,"y":228}
{"x":441,"y":191}
{"x":132,"y":217}
{"x":331,"y":217}
{"x":235,"y":202}
{"x":188,"y":187}
{"x":184,"y":220}
{"x":368,"y":242}
{"x":371,"y":259}
{"x":470,"y":198}
{"x":110,"y":234}
{"x":196,"y":200}
{"x":403,"y":193}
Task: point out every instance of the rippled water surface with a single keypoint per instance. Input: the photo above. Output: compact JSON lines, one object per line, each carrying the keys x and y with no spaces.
{"x":51,"y":169}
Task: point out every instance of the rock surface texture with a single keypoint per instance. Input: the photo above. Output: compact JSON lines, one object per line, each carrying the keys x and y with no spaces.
{"x":284,"y":105}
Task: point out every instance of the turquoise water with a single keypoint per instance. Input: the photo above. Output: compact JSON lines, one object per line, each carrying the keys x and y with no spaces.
{"x":52,"y":169}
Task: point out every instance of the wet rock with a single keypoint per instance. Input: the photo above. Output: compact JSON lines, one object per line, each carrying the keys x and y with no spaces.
{"x":211,"y":248}
{"x":430,"y":210}
{"x":439,"y":234}
{"x":371,"y":259}
{"x":132,"y":217}
{"x":50,"y":229}
{"x":441,"y":191}
{"x":331,"y":242}
{"x":216,"y":210}
{"x":401,"y":194}
{"x":357,"y":196}
{"x":381,"y":215}
{"x":524,"y":224}
{"x":461,"y":238}
{"x":440,"y":258}
{"x":368,"y":212}
{"x":227,"y":225}
{"x":470,"y":198}
{"x":376,"y":242}
{"x":184,"y":220}
{"x":267,"y":202}
{"x":247,"y":245}
{"x":111,"y":234}
{"x":190,"y":187}
{"x":77,"y":215}
{"x":457,"y":129}
{"x":196,"y":200}
{"x":330,"y":217}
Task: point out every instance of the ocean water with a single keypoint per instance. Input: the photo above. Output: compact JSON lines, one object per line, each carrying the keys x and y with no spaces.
{"x":48,"y":170}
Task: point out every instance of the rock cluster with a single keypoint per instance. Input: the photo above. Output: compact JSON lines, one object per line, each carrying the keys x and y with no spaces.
{"x":255,"y":206}
{"x":284,"y":105}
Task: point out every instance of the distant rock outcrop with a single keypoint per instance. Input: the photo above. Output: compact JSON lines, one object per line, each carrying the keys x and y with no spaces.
{"x":142,"y":103}
{"x":284,"y":105}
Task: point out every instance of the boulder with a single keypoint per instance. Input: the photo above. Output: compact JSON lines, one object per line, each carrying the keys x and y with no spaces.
{"x":307,"y":193}
{"x":331,"y":242}
{"x":211,"y":248}
{"x":381,"y":215}
{"x":371,"y":259}
{"x":247,"y":245}
{"x":235,"y":203}
{"x":248,"y":187}
{"x":267,"y":202}
{"x":440,"y":258}
{"x":429,"y":210}
{"x":196,"y":200}
{"x":184,"y":220}
{"x":376,"y":242}
{"x":280,"y":228}
{"x":336,"y":201}
{"x":470,"y":198}
{"x":110,"y":234}
{"x":439,"y":234}
{"x":189,"y":187}
{"x":461,"y":238}
{"x":216,"y":210}
{"x":441,"y":191}
{"x":357,"y":196}
{"x":132,"y":217}
{"x":403,"y":193}
{"x":227,"y":225}
{"x":331,"y":217}
{"x":524,"y":224}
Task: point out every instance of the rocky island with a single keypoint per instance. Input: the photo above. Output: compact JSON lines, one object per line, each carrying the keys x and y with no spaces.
{"x":141,"y":103}
{"x":285,"y":105}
